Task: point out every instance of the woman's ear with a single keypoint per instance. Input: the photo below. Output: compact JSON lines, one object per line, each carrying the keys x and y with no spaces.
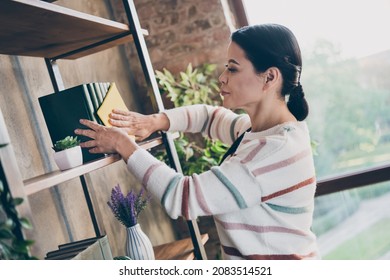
{"x":269,"y":77}
{"x":272,"y":77}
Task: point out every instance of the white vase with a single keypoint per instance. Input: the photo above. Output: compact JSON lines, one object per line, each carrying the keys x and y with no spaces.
{"x":138,"y":245}
{"x":69,"y":158}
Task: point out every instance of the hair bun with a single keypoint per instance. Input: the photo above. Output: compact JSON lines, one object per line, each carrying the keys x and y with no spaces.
{"x":297,"y":103}
{"x":298,"y":91}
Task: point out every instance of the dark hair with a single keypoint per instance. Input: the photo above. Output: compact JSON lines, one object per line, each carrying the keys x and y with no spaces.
{"x":274,"y":45}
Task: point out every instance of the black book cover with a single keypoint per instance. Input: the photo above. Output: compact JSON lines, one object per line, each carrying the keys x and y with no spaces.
{"x":96,"y":247}
{"x":64,"y":254}
{"x":62,"y":112}
{"x":80,"y":243}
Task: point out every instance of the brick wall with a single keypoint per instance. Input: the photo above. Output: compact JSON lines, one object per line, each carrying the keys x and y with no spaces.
{"x":181,"y":32}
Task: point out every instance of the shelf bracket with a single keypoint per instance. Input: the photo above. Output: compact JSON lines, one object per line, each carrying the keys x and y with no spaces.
{"x":55,"y":75}
{"x":151,"y":81}
{"x":58,"y":85}
{"x":90,"y":206}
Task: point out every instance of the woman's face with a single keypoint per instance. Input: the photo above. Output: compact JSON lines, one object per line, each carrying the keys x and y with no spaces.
{"x":241,"y":87}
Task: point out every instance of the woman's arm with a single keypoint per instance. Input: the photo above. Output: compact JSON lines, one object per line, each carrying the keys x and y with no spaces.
{"x":220,"y":190}
{"x":107,"y":139}
{"x":262,"y":168}
{"x":212,"y":121}
{"x":139,"y":125}
{"x":276,"y":170}
{"x":223,"y":189}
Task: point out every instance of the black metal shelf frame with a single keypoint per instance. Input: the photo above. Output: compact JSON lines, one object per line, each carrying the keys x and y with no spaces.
{"x":143,"y":55}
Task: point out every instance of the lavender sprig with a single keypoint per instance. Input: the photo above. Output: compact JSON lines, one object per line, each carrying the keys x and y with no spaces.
{"x":127,"y":208}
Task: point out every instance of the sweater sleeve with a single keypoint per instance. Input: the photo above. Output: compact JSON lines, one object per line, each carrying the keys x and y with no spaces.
{"x":226,"y":188}
{"x":212,"y":121}
{"x":273,"y":167}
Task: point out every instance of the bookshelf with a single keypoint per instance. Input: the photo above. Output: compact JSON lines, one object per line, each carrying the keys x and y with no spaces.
{"x":178,"y":250}
{"x":84,"y":35}
{"x":48,"y":180}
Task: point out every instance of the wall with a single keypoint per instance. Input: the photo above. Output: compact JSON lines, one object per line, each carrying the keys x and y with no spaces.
{"x":60,"y":213}
{"x":183,"y":32}
{"x":180,"y":32}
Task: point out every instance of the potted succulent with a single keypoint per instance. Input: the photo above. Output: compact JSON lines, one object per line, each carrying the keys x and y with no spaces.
{"x":68,"y":153}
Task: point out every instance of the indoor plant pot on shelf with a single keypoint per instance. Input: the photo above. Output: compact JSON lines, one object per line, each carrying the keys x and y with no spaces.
{"x":126,"y":208}
{"x":68,"y":153}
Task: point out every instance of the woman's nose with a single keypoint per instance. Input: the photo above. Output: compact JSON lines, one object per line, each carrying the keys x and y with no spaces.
{"x":222,"y":78}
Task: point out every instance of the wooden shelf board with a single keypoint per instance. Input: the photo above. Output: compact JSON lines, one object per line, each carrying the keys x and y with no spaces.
{"x":48,"y":180}
{"x":177,"y":250}
{"x":40,"y":29}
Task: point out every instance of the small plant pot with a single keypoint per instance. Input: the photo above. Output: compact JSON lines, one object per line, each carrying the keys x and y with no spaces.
{"x":69,"y":158}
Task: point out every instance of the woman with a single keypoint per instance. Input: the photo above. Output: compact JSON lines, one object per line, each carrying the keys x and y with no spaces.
{"x":262,"y":194}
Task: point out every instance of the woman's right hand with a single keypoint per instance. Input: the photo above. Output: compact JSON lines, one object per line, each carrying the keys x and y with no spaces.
{"x":139,"y":125}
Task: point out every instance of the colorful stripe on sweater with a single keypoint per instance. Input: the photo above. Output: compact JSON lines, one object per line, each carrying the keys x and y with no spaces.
{"x":262,"y":197}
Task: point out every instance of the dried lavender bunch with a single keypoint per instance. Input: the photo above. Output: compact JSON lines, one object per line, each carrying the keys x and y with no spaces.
{"x":127,"y":208}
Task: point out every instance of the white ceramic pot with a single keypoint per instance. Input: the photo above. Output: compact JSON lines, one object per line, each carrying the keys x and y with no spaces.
{"x":138,"y":245}
{"x":69,"y":158}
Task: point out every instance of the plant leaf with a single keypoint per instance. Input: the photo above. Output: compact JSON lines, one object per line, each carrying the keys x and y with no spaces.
{"x":17,"y":201}
{"x":25,"y":223}
{"x":6,"y":233}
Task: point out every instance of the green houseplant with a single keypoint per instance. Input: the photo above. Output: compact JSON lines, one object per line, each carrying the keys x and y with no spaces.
{"x":68,"y":153}
{"x":196,"y":153}
{"x":193,"y":86}
{"x":12,"y":244}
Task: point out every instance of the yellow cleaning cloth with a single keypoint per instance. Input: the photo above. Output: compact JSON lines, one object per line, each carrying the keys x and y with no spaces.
{"x":113,"y":100}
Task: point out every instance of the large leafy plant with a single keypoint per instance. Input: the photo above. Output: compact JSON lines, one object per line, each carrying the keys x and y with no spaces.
{"x":12,"y":244}
{"x":194,"y":86}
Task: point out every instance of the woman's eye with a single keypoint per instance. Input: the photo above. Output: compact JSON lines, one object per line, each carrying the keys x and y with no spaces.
{"x":230,"y":69}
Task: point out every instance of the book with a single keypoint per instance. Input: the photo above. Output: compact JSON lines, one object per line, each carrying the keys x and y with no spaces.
{"x":71,"y":249}
{"x":78,"y":244}
{"x":63,"y":254}
{"x":95,"y":101}
{"x":62,"y":112}
{"x":89,"y":103}
{"x":112,"y":100}
{"x":99,"y":250}
{"x":106,"y":86}
{"x":98,"y":93}
{"x":95,"y":248}
{"x":103,"y":90}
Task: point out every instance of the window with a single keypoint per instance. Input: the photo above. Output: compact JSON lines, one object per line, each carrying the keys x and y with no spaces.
{"x":346,"y":65}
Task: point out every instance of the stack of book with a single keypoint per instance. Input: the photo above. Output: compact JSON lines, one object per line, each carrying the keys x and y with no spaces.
{"x":62,"y":111}
{"x":95,"y":248}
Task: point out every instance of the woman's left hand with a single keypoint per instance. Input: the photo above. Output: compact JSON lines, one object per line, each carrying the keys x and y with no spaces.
{"x":106,"y":139}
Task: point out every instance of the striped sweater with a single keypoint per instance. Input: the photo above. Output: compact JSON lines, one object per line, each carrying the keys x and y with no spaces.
{"x":261,"y":197}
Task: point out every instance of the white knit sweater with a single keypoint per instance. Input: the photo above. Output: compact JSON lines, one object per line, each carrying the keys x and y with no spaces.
{"x":261,"y":197}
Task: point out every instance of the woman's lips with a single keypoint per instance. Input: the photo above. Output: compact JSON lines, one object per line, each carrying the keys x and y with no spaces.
{"x":224,"y":93}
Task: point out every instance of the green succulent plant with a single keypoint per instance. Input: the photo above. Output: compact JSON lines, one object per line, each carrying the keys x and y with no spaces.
{"x":66,"y":143}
